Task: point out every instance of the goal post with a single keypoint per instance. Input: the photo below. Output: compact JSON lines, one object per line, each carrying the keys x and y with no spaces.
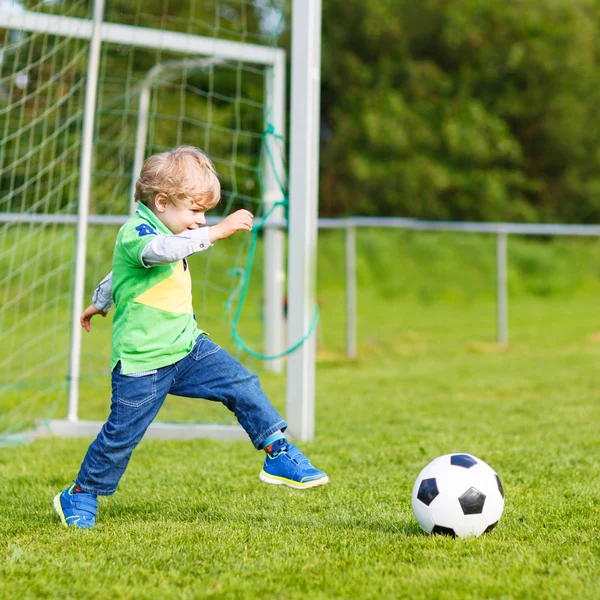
{"x":303,"y":212}
{"x":195,"y":52}
{"x":83,"y":206}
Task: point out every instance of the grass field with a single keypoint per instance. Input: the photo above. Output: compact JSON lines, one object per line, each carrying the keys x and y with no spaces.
{"x":192,"y":520}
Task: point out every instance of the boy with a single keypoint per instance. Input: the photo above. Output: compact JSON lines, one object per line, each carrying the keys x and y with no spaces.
{"x":156,"y":346}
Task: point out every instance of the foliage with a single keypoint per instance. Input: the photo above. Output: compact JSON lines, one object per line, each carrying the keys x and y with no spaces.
{"x":461,"y":110}
{"x":464,"y":110}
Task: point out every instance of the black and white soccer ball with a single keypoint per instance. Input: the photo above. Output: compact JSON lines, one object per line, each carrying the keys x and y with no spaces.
{"x":458,"y":495}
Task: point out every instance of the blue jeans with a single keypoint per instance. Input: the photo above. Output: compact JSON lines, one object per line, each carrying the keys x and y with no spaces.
{"x":207,"y":372}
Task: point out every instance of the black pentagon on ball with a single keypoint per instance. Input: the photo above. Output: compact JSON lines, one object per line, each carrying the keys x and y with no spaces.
{"x":463,"y":460}
{"x":499,"y":485}
{"x":472,"y":502}
{"x":443,"y":531}
{"x":428,"y":490}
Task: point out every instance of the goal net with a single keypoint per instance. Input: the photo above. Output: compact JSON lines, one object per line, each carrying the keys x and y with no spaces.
{"x":202,"y":72}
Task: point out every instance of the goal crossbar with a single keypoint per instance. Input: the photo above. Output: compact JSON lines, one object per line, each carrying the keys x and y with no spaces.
{"x":142,"y":37}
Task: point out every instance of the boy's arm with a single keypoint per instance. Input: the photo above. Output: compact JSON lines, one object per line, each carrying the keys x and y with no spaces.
{"x":165,"y":249}
{"x":102,"y":298}
{"x":101,"y":303}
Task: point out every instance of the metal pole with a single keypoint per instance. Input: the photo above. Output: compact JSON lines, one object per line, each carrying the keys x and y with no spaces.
{"x":85,"y":181}
{"x":140,"y":141}
{"x":501,"y":292}
{"x":351,"y":292}
{"x":304,"y":172}
{"x":274,"y":277}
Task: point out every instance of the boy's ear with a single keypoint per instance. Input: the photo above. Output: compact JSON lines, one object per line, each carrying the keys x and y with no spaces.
{"x":160,"y":202}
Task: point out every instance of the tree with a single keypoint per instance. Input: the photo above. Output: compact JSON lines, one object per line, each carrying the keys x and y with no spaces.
{"x":461,"y":110}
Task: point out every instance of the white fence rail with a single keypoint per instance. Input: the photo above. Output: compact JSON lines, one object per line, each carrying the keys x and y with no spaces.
{"x":501,"y":230}
{"x":350,"y":225}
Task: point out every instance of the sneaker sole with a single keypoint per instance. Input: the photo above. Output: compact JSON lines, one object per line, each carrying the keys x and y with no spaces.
{"x":59,"y":510}
{"x":272,"y":479}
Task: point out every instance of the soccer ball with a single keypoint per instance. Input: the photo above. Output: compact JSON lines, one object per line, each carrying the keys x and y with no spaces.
{"x":458,"y":495}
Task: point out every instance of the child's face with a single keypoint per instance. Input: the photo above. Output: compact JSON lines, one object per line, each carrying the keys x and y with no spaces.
{"x":181,"y":216}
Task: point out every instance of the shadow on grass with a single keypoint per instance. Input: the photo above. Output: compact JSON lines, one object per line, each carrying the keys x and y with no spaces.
{"x":205,"y":514}
{"x":401,"y":526}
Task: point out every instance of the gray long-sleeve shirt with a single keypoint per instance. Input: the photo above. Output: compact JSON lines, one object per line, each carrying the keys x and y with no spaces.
{"x":161,"y":250}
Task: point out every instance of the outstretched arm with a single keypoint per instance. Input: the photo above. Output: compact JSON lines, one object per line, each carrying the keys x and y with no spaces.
{"x":240,"y":220}
{"x":165,"y":249}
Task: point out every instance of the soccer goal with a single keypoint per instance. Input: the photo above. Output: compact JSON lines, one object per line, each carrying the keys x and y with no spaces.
{"x":86,"y":93}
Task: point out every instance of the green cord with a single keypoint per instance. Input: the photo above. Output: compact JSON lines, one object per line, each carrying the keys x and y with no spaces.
{"x":246,"y":276}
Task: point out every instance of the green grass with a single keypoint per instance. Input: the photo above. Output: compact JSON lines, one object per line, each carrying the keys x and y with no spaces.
{"x":192,"y":520}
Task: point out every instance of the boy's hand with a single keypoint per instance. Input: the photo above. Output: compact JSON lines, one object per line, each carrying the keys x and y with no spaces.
{"x":86,"y":316}
{"x":240,"y":220}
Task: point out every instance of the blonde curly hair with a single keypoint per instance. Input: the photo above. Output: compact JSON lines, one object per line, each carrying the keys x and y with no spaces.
{"x":183,"y":175}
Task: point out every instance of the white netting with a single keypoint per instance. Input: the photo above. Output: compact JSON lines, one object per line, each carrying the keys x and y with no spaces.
{"x":218,"y":105}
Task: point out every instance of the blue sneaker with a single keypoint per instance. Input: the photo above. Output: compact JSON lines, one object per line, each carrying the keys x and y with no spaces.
{"x":292,"y":468}
{"x":76,"y":509}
